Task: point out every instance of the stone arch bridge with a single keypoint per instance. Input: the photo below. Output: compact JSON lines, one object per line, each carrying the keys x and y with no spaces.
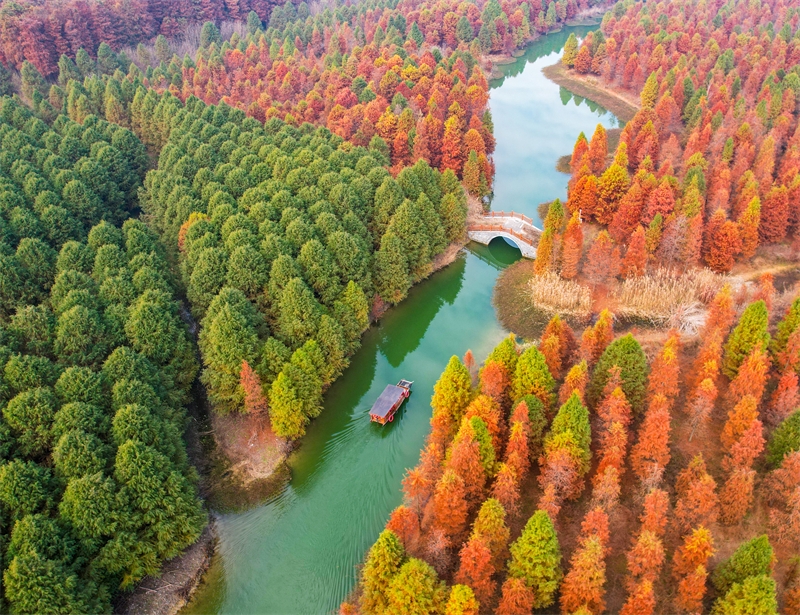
{"x":515,"y":227}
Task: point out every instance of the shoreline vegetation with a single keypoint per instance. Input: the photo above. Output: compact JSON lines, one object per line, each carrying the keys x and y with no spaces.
{"x":620,"y":104}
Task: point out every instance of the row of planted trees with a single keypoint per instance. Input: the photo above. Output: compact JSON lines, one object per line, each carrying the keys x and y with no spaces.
{"x":620,"y":416}
{"x":95,"y":370}
{"x":707,"y":170}
{"x":284,"y":237}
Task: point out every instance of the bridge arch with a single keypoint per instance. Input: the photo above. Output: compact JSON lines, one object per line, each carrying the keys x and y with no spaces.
{"x":503,"y":238}
{"x":486,"y":236}
{"x":516,"y":228}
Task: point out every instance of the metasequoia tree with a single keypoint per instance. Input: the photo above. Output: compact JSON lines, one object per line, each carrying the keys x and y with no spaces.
{"x":536,"y":559}
{"x":383,"y":562}
{"x":697,"y":502}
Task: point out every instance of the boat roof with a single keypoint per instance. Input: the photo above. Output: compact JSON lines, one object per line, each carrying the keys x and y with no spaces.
{"x":386,"y":401}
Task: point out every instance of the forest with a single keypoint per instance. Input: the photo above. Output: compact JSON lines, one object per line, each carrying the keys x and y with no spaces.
{"x":680,"y":448}
{"x":618,"y":472}
{"x":223,"y":196}
{"x":708,"y":169}
{"x":95,"y":485}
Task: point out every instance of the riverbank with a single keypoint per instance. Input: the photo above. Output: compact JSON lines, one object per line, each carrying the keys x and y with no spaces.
{"x":169,"y":592}
{"x":623,"y":105}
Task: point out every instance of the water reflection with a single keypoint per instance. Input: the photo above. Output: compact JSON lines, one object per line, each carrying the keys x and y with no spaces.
{"x":405,"y":329}
{"x":499,"y":253}
{"x":548,"y":45}
{"x":535,"y":123}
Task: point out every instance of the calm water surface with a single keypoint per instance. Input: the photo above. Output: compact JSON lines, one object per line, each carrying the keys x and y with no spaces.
{"x":298,"y":552}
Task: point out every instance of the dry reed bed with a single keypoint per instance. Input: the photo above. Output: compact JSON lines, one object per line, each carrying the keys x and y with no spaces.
{"x":550,"y":293}
{"x":667,"y":297}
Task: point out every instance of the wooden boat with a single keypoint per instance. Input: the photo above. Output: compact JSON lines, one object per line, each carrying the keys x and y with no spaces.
{"x":389,"y":401}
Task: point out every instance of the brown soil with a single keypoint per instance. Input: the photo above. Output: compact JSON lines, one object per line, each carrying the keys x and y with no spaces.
{"x":248,"y":461}
{"x":623,"y":105}
{"x":169,"y":592}
{"x":511,"y":300}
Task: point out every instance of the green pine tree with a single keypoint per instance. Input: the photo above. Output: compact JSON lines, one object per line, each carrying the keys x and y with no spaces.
{"x":753,"y":596}
{"x":536,"y":558}
{"x":786,"y":327}
{"x":625,"y":353}
{"x":751,"y":330}
{"x":383,"y":563}
{"x":753,"y":558}
{"x":531,"y":377}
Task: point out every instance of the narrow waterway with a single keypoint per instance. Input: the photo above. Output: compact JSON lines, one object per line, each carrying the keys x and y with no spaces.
{"x":298,"y":552}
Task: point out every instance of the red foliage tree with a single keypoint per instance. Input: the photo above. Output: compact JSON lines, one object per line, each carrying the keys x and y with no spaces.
{"x":506,"y":489}
{"x":465,"y":460}
{"x":452,"y":154}
{"x":696,"y":549}
{"x":665,"y":370}
{"x":740,"y":417}
{"x":766,"y":290}
{"x":697,"y":502}
{"x":746,"y":449}
{"x":550,"y":346}
{"x":650,"y":455}
{"x":751,"y":378}
{"x":748,"y":227}
{"x":603,"y":260}
{"x":641,"y":600}
{"x":774,"y":216}
{"x":476,"y":570}
{"x":571,"y":247}
{"x":721,"y":312}
{"x":785,"y":398}
{"x":646,"y":557}
{"x":517,"y":454}
{"x":583,"y":197}
{"x":495,"y":381}
{"x":701,"y":405}
{"x":255,"y":403}
{"x":580,"y":149}
{"x":450,"y":506}
{"x":584,"y":584}
{"x":635,"y":261}
{"x":404,"y":522}
{"x":724,"y":243}
{"x":654,"y":513}
{"x":598,"y":149}
{"x":736,"y":496}
{"x":628,"y":215}
{"x":691,"y":590}
{"x":660,"y":201}
{"x":574,"y":382}
{"x":517,"y":598}
{"x":401,"y":156}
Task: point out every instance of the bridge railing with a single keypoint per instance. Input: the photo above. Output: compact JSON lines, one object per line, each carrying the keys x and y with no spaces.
{"x":509,"y":214}
{"x":501,"y":229}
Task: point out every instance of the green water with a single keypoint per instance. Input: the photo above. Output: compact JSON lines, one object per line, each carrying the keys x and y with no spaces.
{"x":298,"y":552}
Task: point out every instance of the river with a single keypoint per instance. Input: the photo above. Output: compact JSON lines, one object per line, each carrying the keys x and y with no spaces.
{"x":298,"y":552}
